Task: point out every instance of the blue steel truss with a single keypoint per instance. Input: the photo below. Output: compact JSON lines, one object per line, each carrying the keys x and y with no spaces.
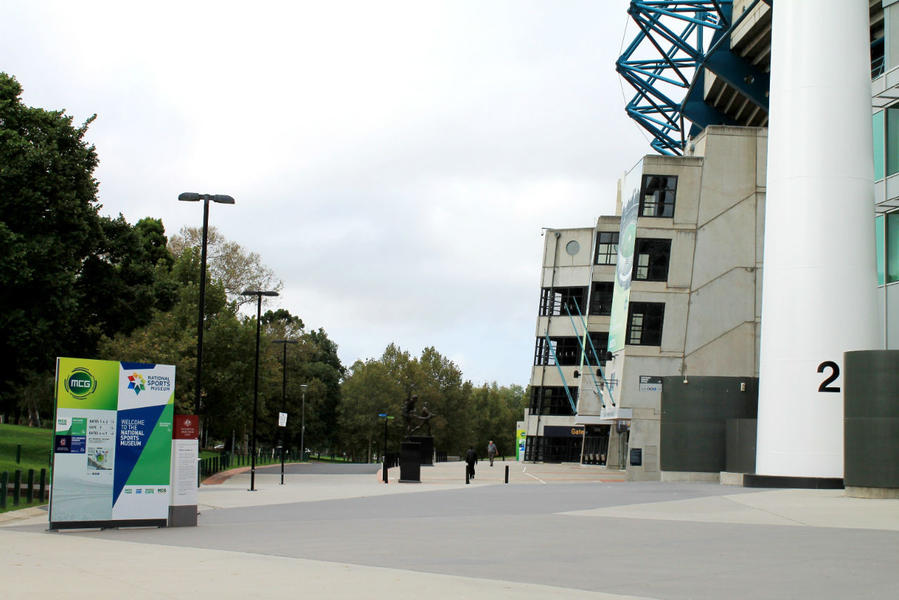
{"x":666,"y":62}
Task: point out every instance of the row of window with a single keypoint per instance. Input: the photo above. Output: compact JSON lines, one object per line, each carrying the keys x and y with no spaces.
{"x":563,"y":301}
{"x":644,"y":328}
{"x":551,"y":400}
{"x":657,"y":199}
{"x":566,"y":351}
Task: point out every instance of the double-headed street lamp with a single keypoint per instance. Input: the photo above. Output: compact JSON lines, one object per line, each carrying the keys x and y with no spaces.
{"x":206,"y":198}
{"x":284,"y":397}
{"x":259,"y":294}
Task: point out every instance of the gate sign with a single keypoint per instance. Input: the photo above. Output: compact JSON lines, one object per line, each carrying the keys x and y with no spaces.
{"x":112,"y":444}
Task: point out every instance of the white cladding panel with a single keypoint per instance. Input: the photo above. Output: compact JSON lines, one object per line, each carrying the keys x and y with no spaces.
{"x":818,"y":291}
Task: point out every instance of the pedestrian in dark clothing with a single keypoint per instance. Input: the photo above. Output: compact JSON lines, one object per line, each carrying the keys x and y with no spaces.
{"x":471,"y":458}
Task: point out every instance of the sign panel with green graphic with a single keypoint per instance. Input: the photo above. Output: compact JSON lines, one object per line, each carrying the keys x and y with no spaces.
{"x":630,"y":198}
{"x":112,"y":444}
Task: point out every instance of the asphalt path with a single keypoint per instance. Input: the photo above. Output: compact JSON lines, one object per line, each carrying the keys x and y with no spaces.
{"x":520,"y":533}
{"x":320,"y":468}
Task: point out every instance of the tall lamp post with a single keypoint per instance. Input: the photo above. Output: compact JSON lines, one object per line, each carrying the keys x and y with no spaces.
{"x":259,"y":294}
{"x":206,"y":198}
{"x":283,"y":397}
{"x":386,"y":418}
{"x":303,"y":424}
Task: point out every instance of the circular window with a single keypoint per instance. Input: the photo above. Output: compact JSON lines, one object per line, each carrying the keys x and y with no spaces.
{"x":572,"y":247}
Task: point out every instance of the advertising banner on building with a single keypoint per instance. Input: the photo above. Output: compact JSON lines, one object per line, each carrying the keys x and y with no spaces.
{"x":627,"y":236}
{"x":112,"y":443}
{"x":521,"y":437}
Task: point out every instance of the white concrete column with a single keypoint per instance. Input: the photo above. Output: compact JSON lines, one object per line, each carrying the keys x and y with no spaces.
{"x":819,"y":273}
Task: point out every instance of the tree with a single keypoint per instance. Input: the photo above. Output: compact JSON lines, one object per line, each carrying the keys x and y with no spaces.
{"x":228,"y":263}
{"x":123,"y":281}
{"x":48,"y":226}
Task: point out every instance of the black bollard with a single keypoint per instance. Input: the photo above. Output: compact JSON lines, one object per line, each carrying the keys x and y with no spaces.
{"x":17,"y":487}
{"x":29,"y":491}
{"x":507,"y":473}
{"x":466,"y":474}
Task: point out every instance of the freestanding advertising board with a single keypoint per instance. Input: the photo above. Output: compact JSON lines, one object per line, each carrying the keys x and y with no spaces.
{"x":112,"y":445}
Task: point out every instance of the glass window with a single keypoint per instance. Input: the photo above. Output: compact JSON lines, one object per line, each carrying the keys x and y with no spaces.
{"x":607,"y":247}
{"x":644,"y":323}
{"x":551,"y":400}
{"x":892,"y":141}
{"x":601,"y":298}
{"x":878,"y":247}
{"x":892,"y":247}
{"x":651,"y":259}
{"x":877,"y":121}
{"x":563,"y":301}
{"x":657,"y":199}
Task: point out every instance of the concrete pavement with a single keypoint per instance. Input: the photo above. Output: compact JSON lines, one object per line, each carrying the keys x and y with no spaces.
{"x":560,"y":531}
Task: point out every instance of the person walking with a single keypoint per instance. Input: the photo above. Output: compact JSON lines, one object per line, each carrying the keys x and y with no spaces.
{"x":491,"y":452}
{"x":471,"y":458}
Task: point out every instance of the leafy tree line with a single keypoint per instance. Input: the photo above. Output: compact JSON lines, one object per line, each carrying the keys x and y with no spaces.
{"x":76,"y":283}
{"x":462,"y":415}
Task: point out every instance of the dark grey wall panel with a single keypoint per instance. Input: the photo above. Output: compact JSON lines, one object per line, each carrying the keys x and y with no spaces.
{"x":871,"y":418}
{"x":694,"y":417}
{"x":740,"y":453}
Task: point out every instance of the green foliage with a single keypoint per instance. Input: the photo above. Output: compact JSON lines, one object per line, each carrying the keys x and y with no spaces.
{"x":461,"y":415}
{"x":36,"y":444}
{"x":48,"y":228}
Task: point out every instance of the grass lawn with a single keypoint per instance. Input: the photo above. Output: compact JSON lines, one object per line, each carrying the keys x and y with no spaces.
{"x":36,"y":444}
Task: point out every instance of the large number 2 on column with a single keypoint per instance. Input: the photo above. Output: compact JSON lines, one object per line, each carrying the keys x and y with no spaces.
{"x":834,"y":373}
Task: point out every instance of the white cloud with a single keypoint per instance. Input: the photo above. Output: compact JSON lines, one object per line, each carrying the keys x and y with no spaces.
{"x":393,"y":162}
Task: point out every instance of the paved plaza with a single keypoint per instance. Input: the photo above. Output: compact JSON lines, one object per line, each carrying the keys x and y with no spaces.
{"x":555,"y":531}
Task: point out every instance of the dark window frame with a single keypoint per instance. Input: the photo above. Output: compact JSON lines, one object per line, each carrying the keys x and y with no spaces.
{"x":658,"y":257}
{"x":601,"y":298}
{"x":606,"y":248}
{"x":551,"y":401}
{"x":553,"y":301}
{"x":645,"y":323}
{"x":566,"y":349}
{"x":658,"y":196}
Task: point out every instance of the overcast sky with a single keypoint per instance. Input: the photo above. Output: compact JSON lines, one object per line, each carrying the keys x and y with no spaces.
{"x":392,"y":162}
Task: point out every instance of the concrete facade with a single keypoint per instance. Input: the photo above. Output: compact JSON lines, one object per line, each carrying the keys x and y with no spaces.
{"x":711,"y":295}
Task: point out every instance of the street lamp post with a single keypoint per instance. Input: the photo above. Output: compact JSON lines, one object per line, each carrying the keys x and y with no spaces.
{"x":386,"y":418}
{"x":259,"y":294}
{"x":206,"y":198}
{"x":283,"y":398}
{"x":303,"y":425}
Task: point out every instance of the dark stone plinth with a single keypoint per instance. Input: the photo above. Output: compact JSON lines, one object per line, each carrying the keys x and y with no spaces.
{"x":426,"y":449}
{"x":410,"y":465}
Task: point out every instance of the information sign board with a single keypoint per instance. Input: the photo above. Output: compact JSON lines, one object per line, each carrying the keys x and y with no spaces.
{"x":112,"y":443}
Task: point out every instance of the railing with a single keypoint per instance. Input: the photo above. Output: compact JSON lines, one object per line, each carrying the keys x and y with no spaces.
{"x":15,"y":487}
{"x":226,"y":460}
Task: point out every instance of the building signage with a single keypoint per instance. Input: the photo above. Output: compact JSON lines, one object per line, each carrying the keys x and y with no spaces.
{"x":627,"y":236}
{"x":112,"y":442}
{"x":650,"y":383}
{"x":521,"y":438}
{"x":562,"y":431}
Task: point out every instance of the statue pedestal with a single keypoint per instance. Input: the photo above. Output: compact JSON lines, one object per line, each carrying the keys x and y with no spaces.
{"x":410,"y":467}
{"x":426,"y":448}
